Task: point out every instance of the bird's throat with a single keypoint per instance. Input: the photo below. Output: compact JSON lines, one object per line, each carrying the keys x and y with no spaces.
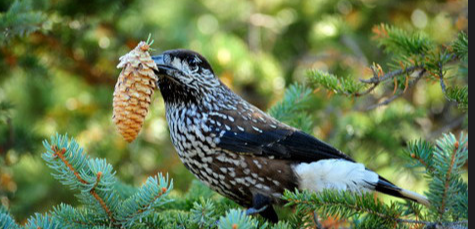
{"x":176,"y":93}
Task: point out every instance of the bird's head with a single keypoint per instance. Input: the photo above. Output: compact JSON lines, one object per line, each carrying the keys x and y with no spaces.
{"x":185,"y":76}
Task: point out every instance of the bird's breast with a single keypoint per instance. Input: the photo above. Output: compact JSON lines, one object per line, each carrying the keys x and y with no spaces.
{"x":189,"y":131}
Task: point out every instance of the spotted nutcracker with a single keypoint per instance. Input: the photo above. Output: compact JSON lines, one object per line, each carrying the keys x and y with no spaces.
{"x":243,"y":153}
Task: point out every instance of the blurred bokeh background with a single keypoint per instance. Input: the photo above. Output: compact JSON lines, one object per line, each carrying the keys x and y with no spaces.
{"x":60,"y":78}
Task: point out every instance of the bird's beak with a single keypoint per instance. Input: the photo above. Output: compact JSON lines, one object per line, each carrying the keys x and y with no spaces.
{"x":163,"y":68}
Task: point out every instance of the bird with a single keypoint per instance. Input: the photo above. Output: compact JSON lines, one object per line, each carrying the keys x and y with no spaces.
{"x":245,"y":154}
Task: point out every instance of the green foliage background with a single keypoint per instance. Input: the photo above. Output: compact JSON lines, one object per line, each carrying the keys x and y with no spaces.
{"x":58,"y":69}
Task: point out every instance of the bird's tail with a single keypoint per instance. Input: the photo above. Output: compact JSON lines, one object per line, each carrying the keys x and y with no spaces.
{"x":387,"y":187}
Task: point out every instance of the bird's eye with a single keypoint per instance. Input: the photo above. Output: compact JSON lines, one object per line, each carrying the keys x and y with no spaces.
{"x":193,"y":64}
{"x":192,"y":61}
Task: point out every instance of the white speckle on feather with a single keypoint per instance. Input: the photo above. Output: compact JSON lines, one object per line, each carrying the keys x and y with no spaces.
{"x":335,"y":174}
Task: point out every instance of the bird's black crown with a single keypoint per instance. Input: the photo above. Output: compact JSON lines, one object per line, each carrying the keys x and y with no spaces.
{"x":185,"y":76}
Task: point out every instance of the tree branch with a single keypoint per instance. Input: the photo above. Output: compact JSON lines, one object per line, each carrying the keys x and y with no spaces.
{"x":442,"y":209}
{"x":394,"y":97}
{"x":60,"y":153}
{"x":376,"y":79}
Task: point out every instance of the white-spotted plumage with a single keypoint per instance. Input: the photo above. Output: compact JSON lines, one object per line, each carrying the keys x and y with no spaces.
{"x":243,"y":153}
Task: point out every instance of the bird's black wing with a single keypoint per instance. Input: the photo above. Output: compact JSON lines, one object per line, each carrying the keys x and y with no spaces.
{"x":259,"y":134}
{"x":283,"y":144}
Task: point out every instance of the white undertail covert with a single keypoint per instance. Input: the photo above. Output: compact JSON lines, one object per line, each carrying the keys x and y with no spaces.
{"x":335,"y":174}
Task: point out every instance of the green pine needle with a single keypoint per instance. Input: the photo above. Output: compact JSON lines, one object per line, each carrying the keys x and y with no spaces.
{"x":338,"y":85}
{"x":237,"y":219}
{"x":151,"y":195}
{"x":459,"y":95}
{"x":203,"y":213}
{"x":6,"y":220}
{"x":398,"y":41}
{"x":422,"y":152}
{"x":292,"y":109}
{"x":460,"y":46}
{"x":450,"y":155}
{"x":44,"y":221}
{"x":19,"y":20}
{"x":343,"y":205}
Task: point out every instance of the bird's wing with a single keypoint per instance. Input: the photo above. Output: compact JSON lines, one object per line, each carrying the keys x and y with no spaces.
{"x":256,"y":133}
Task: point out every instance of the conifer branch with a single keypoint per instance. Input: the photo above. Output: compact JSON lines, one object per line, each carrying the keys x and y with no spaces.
{"x":139,"y":205}
{"x":6,"y":220}
{"x":448,"y":175}
{"x":458,"y":95}
{"x":460,"y":46}
{"x":394,"y":97}
{"x":203,"y":213}
{"x":345,"y":205}
{"x":44,"y":222}
{"x":334,"y":83}
{"x":293,"y":108}
{"x":448,"y":158}
{"x":91,"y":177}
{"x":60,"y":153}
{"x":95,"y":179}
{"x":342,"y":205}
{"x":77,"y":217}
{"x":237,"y":219}
{"x":19,"y":20}
{"x":422,"y":152}
{"x":377,"y":79}
{"x":407,"y":49}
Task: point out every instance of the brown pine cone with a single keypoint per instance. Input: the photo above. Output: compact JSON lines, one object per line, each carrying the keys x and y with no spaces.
{"x":133,"y":91}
